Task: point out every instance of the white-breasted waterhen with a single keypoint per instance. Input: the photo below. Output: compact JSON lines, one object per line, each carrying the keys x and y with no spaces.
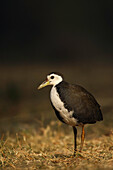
{"x":73,"y":104}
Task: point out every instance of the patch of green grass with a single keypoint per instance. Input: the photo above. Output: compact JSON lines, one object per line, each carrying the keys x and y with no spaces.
{"x":53,"y":149}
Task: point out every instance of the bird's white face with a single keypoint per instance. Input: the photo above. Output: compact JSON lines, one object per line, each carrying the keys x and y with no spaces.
{"x":52,"y":79}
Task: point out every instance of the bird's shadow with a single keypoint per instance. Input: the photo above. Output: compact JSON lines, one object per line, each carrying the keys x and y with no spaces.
{"x":62,"y":156}
{"x":78,"y":155}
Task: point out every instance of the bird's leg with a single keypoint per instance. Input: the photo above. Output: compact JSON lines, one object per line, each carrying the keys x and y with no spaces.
{"x":82,"y":137}
{"x":75,"y":143}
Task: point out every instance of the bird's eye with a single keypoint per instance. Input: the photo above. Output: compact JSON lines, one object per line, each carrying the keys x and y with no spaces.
{"x":52,"y":77}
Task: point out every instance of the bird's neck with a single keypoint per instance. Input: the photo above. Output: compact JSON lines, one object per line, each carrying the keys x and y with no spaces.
{"x":62,"y":83}
{"x":57,"y":83}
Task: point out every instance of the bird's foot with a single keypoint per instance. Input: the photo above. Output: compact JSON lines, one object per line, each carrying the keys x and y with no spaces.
{"x":74,"y":154}
{"x":81,"y":147}
{"x":80,"y":150}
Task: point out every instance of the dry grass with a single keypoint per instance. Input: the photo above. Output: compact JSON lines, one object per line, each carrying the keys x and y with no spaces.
{"x":53,"y":149}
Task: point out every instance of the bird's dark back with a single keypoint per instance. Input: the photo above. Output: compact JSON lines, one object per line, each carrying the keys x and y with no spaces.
{"x":77,"y":99}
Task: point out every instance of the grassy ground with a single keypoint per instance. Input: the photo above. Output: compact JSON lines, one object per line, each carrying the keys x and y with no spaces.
{"x":31,"y":137}
{"x":54,"y":149}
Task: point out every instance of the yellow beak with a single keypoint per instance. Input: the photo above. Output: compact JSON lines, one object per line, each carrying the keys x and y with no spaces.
{"x":45,"y":83}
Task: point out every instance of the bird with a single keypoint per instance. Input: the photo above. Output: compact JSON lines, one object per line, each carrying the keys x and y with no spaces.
{"x":73,"y":104}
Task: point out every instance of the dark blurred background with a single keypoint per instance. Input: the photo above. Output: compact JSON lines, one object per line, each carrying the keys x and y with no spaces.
{"x":37,"y":37}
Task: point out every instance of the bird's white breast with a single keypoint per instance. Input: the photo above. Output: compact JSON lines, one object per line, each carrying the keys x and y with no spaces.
{"x":59,"y":105}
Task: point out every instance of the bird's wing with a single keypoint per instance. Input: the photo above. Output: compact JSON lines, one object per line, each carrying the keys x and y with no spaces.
{"x":76,"y":98}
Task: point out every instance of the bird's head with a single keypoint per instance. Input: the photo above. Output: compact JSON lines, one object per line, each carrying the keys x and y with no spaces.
{"x":52,"y":79}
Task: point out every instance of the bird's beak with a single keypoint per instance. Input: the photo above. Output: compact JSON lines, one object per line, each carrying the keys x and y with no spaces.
{"x":45,"y":83}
